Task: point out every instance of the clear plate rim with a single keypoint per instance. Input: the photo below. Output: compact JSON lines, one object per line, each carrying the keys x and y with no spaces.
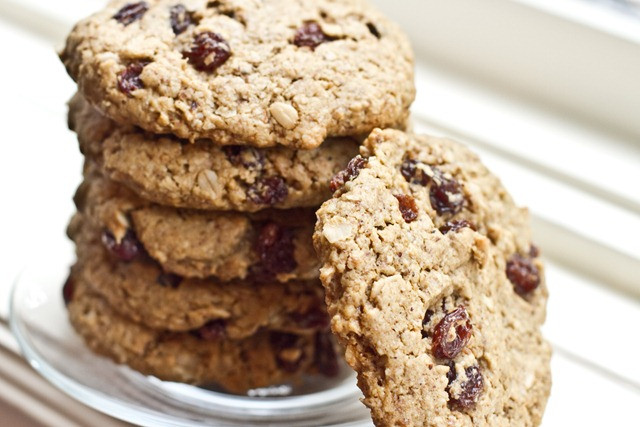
{"x":122,"y":409}
{"x":86,"y":395}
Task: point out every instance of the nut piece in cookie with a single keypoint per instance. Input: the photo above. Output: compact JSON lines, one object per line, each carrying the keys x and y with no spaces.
{"x":433,"y":286}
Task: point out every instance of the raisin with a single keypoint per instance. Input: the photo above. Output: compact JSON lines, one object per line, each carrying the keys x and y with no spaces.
{"x":212,"y":330}
{"x":425,"y":321}
{"x":445,"y":193}
{"x":469,"y":390}
{"x":534,"y":252}
{"x":352,"y":170}
{"x":129,"y":78}
{"x":408,"y":208}
{"x":373,"y":30}
{"x":443,"y":346}
{"x":523,"y":274}
{"x":414,"y":174}
{"x":314,"y":318}
{"x":310,"y":35}
{"x":247,"y":157}
{"x":289,"y":356}
{"x":68,"y":290}
{"x":180,"y":19}
{"x":325,"y":357}
{"x":456,"y":225}
{"x":131,"y":12}
{"x":128,"y":248}
{"x":208,"y":52}
{"x":274,"y":247}
{"x":268,"y":191}
{"x":169,"y":280}
{"x":451,"y":375}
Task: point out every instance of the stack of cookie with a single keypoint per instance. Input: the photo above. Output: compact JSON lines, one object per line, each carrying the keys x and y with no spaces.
{"x":211,"y":132}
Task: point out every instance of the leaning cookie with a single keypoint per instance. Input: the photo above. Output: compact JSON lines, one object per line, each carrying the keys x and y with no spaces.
{"x":263,"y":359}
{"x":261,"y":73}
{"x":136,"y":287}
{"x":434,"y":287}
{"x":264,"y":246}
{"x":202,"y":175}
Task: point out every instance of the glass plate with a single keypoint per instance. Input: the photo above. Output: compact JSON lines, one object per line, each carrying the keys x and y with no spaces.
{"x":39,"y":322}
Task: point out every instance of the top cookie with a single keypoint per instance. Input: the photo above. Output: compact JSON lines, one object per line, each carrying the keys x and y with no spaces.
{"x":260,"y":73}
{"x":434,"y":287}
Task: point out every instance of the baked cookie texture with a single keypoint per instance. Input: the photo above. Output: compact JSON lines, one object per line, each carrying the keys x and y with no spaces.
{"x":272,"y":245}
{"x":140,"y":290}
{"x":244,"y":72}
{"x":265,"y":358}
{"x":203,"y":175}
{"x":434,"y":287}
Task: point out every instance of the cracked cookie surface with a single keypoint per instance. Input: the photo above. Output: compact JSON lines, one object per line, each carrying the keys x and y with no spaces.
{"x":172,"y":172}
{"x":261,"y":73}
{"x":271,"y":245}
{"x":139,"y":289}
{"x":434,"y":287}
{"x":263,"y":359}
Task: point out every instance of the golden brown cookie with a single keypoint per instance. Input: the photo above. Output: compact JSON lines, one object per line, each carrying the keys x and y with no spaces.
{"x":263,"y":359}
{"x":434,"y":287}
{"x":139,"y":289}
{"x":262,"y":73}
{"x":202,"y":175}
{"x":267,"y":245}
